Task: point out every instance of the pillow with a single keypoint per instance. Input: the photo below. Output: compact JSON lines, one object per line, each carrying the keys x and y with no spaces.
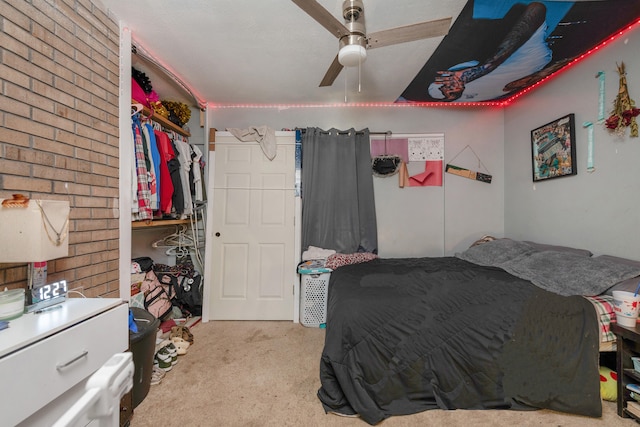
{"x":618,"y":260}
{"x":544,"y":247}
{"x":629,"y":285}
{"x":495,"y":252}
{"x":566,"y":273}
{"x":338,"y":260}
{"x":608,"y":384}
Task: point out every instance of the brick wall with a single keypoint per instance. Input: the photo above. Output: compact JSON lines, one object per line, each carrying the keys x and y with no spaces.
{"x":59,"y":78}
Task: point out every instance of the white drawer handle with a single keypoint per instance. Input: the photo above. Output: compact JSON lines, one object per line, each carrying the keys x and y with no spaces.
{"x":72,"y":361}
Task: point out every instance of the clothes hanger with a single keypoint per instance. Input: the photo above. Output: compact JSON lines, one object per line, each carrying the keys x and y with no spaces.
{"x":178,"y":238}
{"x":178,"y":252}
{"x":136,"y":108}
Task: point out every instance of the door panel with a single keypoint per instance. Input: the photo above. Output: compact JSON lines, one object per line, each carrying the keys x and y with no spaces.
{"x":253,"y":232}
{"x":234,"y":272}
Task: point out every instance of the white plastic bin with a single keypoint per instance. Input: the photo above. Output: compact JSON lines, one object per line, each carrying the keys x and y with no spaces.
{"x":314,"y":288}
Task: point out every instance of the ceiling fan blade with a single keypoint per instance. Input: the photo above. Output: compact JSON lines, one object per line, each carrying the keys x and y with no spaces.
{"x":332,"y":73}
{"x":408,"y":33}
{"x":324,"y":18}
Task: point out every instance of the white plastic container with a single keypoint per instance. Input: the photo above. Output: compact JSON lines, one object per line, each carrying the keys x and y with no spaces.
{"x":11,"y":304}
{"x":626,"y":306}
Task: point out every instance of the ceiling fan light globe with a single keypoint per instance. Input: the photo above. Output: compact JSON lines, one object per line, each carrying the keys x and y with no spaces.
{"x":352,"y":55}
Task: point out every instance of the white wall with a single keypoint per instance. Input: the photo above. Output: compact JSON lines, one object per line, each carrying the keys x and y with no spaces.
{"x":600,"y":210}
{"x":411,"y":222}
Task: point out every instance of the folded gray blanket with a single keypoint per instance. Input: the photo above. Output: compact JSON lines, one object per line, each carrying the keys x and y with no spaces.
{"x":564,"y":273}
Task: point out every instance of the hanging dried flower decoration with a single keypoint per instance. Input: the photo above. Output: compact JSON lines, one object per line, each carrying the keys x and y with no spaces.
{"x":624,"y":109}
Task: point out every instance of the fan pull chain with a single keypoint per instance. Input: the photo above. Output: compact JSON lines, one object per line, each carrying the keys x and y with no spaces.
{"x":345,"y":87}
{"x":359,"y":75}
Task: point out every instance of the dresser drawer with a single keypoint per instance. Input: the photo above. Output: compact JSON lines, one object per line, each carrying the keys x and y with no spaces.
{"x":40,"y":372}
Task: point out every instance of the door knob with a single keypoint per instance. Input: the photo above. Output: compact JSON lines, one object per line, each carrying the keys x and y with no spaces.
{"x":218,"y":234}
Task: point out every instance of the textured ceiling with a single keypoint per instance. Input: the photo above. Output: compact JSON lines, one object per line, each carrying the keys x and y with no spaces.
{"x":271,"y":52}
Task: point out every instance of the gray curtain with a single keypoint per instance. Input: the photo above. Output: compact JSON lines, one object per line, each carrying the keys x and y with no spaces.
{"x":338,"y":207}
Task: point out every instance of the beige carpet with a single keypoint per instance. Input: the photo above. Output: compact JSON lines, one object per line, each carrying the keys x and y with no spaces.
{"x":266,"y":374}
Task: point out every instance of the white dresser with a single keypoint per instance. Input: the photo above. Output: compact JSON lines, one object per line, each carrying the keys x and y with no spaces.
{"x":46,"y":358}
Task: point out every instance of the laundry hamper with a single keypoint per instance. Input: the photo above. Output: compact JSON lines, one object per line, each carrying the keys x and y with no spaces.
{"x":314,"y":286}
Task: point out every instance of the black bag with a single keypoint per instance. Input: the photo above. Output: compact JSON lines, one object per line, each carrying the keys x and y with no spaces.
{"x":189,"y":294}
{"x":384,"y":166}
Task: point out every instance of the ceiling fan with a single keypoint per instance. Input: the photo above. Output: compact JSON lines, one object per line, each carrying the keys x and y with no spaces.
{"x":353,"y":38}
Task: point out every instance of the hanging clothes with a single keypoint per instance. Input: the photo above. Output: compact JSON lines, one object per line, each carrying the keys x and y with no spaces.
{"x":134,"y":177}
{"x":197,"y":173}
{"x":151,"y":179}
{"x":171,"y":195}
{"x":184,"y":156}
{"x":192,"y":176}
{"x":264,"y":135}
{"x":165,"y":153}
{"x":175,"y":169}
{"x":153,"y":158}
{"x":166,"y":174}
{"x":144,"y":196}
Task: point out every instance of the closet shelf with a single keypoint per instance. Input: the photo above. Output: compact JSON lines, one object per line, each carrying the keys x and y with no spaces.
{"x":165,"y":122}
{"x":159,"y":223}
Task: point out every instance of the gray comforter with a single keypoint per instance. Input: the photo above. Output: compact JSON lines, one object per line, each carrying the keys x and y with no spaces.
{"x":407,"y":335}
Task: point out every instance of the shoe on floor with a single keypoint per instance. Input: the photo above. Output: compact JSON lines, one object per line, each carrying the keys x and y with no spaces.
{"x":182,"y":332}
{"x":180,"y":344}
{"x":173,"y":351}
{"x":157,"y":375}
{"x":164,"y":359}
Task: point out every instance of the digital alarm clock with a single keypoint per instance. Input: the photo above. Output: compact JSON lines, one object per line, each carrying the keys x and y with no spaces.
{"x":49,"y":291}
{"x":45,"y":295}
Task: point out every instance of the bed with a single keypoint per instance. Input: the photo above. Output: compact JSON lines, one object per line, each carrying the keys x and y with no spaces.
{"x":502,"y":325}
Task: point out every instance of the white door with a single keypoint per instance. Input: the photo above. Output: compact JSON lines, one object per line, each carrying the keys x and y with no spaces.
{"x":252,"y":231}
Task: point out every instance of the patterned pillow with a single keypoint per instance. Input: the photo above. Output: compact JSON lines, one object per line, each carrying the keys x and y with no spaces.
{"x":338,"y":260}
{"x":608,"y":384}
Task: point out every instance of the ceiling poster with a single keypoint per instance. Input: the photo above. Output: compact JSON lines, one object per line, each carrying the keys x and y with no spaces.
{"x":497,"y":48}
